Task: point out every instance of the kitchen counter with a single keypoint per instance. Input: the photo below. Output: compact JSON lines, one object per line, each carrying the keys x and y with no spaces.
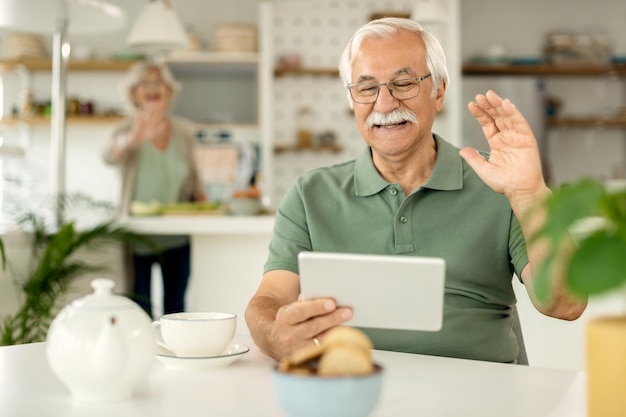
{"x":201,"y":224}
{"x":227,"y":257}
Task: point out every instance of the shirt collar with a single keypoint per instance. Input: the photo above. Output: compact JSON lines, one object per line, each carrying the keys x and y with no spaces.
{"x":447,"y":173}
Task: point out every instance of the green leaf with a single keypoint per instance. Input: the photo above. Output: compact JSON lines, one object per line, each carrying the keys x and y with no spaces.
{"x":599,"y":265}
{"x":55,"y":267}
{"x":568,"y":205}
{"x":3,"y":255}
{"x":613,"y":207}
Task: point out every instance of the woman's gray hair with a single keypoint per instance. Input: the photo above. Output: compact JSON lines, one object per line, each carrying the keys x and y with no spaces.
{"x":139,"y":70}
{"x":388,"y":27}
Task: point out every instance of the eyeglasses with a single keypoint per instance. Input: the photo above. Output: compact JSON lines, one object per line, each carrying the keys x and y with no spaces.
{"x":404,"y":89}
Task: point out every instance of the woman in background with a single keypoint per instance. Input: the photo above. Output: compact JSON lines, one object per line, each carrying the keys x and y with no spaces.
{"x":154,"y":151}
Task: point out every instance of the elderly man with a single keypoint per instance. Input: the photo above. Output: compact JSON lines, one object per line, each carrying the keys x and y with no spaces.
{"x":412,"y":193}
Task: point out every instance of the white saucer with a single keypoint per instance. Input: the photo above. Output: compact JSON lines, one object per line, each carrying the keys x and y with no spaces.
{"x":230,"y":355}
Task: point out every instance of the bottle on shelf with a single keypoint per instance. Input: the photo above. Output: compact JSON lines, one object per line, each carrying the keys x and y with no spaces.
{"x":304,"y":134}
{"x":27,"y":105}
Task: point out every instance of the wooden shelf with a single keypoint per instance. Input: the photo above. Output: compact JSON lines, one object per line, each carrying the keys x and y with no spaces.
{"x":229,"y":60}
{"x":42,"y":120}
{"x":381,"y":14}
{"x":493,"y":69}
{"x":282,"y":71}
{"x":45,"y":64}
{"x":587,"y":121}
{"x":544,"y":70}
{"x":315,"y":148}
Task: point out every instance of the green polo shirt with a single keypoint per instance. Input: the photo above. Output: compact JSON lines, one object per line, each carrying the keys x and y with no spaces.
{"x":349,"y":207}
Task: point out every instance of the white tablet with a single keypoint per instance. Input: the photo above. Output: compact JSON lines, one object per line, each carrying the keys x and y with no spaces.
{"x":384,"y":291}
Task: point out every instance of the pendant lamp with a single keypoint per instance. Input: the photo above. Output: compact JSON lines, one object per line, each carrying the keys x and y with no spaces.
{"x":157,"y":30}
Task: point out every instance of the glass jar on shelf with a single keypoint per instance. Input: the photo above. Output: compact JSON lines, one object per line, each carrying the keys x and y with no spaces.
{"x":304,"y":132}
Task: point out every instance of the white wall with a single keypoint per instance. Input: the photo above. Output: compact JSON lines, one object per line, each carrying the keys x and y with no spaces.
{"x":202,"y":16}
{"x":520,"y":26}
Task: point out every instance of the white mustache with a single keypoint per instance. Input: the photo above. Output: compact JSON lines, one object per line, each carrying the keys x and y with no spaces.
{"x":394,"y":117}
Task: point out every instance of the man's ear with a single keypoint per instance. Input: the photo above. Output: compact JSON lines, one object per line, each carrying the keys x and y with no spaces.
{"x":441,"y":92}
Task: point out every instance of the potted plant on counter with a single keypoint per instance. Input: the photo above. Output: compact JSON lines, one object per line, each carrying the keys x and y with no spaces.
{"x":594,"y":216}
{"x":56,"y":260}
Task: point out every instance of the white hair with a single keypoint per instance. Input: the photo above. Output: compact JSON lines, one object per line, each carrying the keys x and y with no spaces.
{"x":386,"y":28}
{"x":138,"y":72}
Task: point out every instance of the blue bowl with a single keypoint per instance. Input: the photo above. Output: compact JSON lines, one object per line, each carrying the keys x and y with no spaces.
{"x":316,"y":396}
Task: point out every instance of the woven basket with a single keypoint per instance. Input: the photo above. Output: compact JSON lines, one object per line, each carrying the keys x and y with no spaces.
{"x":235,"y":37}
{"x":23,"y":45}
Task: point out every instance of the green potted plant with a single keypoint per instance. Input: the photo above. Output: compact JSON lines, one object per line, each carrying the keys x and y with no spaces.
{"x":55,"y":261}
{"x":594,"y":216}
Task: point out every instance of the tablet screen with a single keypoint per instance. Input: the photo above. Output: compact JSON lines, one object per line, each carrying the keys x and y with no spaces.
{"x":384,"y":291}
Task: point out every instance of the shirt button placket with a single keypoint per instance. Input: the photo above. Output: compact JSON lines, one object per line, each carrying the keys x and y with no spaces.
{"x":403,"y":235}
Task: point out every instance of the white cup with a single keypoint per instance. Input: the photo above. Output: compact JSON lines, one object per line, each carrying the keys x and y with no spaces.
{"x":196,"y":334}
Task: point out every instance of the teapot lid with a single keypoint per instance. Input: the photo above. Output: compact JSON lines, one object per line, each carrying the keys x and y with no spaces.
{"x":103,"y":297}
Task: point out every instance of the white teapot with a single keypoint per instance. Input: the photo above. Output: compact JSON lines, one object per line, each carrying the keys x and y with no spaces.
{"x":101,"y":346}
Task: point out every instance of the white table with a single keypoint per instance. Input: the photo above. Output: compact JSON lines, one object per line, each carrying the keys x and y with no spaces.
{"x":414,"y":385}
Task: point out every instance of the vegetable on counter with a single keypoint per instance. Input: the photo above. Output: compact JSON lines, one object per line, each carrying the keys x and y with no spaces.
{"x":154,"y":208}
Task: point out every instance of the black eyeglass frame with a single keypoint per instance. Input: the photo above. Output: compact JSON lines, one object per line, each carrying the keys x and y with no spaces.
{"x":388,"y":84}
